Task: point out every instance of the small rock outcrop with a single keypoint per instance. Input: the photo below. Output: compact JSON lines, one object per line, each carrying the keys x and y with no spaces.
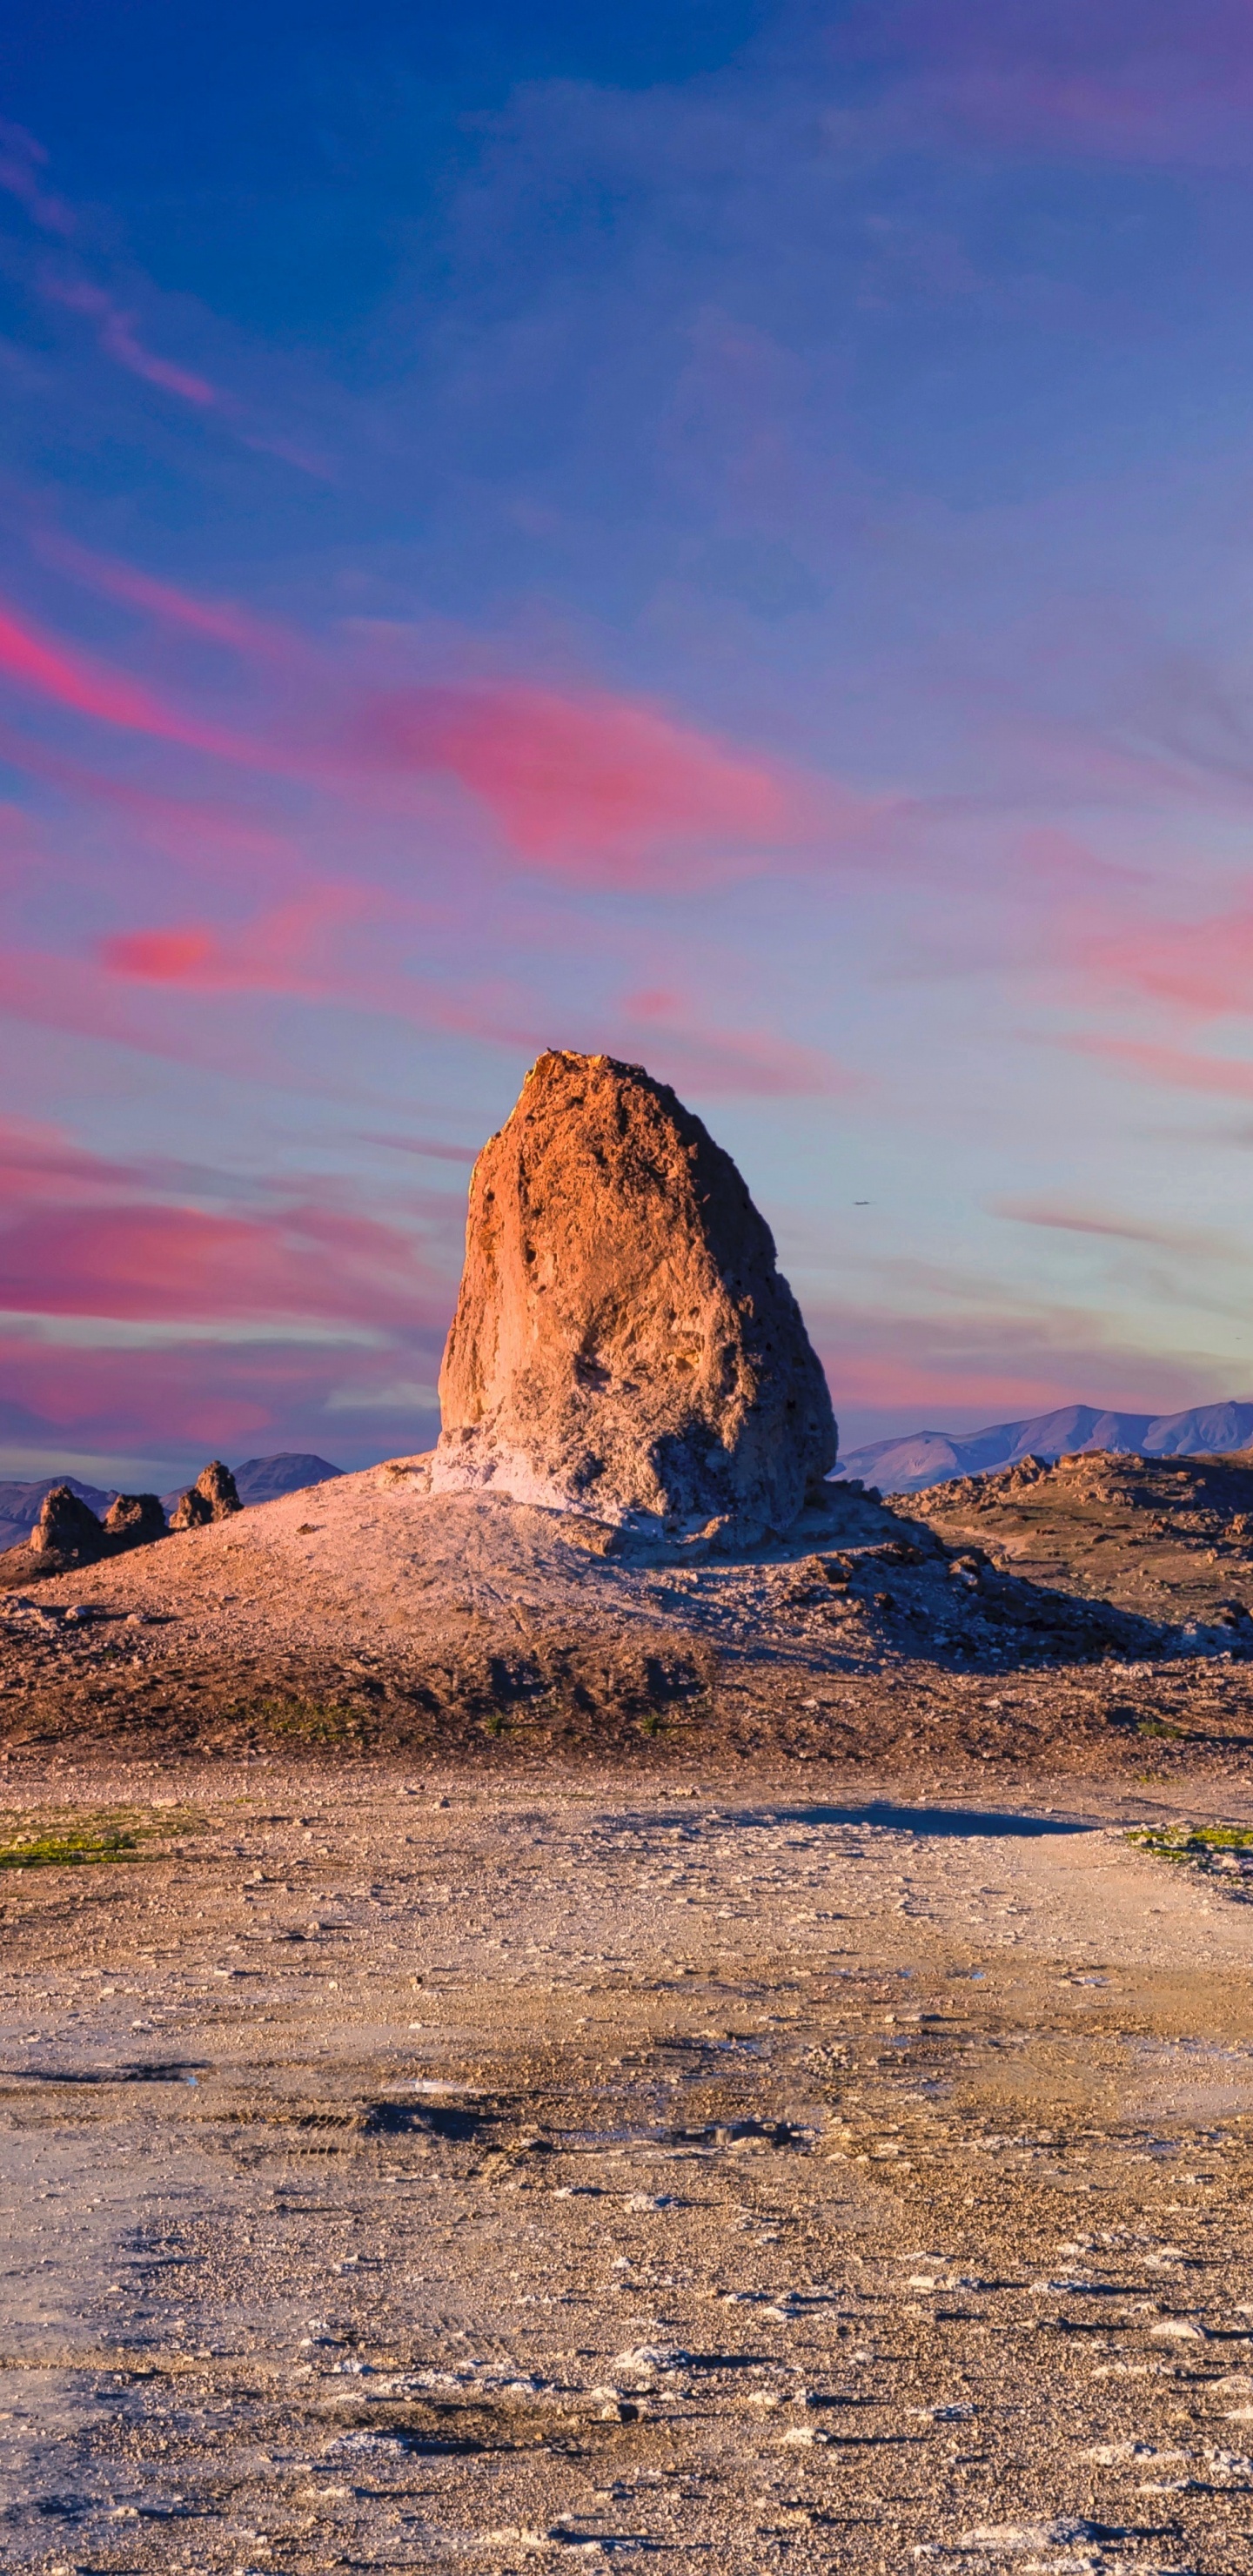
{"x":132,"y":1520}
{"x":67,"y":1531}
{"x":624,"y":1345}
{"x":212,"y":1498}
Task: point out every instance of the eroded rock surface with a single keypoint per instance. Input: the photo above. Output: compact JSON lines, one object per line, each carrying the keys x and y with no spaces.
{"x":67,"y":1531}
{"x":213,"y":1497}
{"x":624,"y":1345}
{"x":134,"y":1520}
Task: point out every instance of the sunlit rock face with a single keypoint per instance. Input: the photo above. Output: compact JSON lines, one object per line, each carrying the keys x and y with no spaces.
{"x":624,"y":1345}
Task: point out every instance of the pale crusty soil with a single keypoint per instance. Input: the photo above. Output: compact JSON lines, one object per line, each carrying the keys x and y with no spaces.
{"x":410,"y":2167}
{"x":597,"y":2055}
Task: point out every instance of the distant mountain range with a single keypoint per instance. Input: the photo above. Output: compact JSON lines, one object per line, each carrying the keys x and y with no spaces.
{"x":935,"y":1457}
{"x":259,"y":1480}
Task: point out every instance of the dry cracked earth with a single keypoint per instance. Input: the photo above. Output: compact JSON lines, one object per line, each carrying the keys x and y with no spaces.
{"x":413,"y":2168}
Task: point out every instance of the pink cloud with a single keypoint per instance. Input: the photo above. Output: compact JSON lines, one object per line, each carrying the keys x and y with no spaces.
{"x":297,"y":950}
{"x":135,"y":996}
{"x":136,"y":1262}
{"x":80,"y":998}
{"x":427,"y":1147}
{"x":1068,"y":1220}
{"x":173,"y":1398}
{"x":285,"y":951}
{"x":895,"y":1379}
{"x":939,"y":1369}
{"x":81,"y":1235}
{"x":218,"y":621}
{"x":1176,"y":1068}
{"x":1204,"y":966}
{"x":599,"y":788}
{"x":22,"y":161}
{"x":70,"y":680}
{"x":115,"y":331}
{"x":742,"y":1063}
{"x":170,"y":957}
{"x":1140,"y":81}
{"x":59,"y":674}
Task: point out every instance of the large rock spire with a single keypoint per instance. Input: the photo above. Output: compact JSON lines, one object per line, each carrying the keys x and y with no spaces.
{"x":624,"y":1344}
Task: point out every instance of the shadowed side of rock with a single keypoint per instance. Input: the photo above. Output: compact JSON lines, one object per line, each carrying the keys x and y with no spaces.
{"x":66,"y":1533}
{"x":134,"y":1520}
{"x":624,"y":1344}
{"x":213,"y":1497}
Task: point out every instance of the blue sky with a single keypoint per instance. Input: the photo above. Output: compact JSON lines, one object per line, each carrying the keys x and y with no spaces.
{"x":719,"y":534}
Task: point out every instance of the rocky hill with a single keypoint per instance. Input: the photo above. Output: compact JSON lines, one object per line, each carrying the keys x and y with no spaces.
{"x":1168,"y":1539}
{"x":907,"y":1464}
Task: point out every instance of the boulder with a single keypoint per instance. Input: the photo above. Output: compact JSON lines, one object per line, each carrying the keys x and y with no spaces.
{"x":133,"y":1520}
{"x":624,"y":1345}
{"x":212,"y":1498}
{"x":67,"y":1531}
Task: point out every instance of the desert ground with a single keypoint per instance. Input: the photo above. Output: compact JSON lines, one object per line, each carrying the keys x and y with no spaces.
{"x":510,"y":2051}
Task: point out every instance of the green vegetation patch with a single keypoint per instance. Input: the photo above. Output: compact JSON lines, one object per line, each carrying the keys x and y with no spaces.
{"x":76,"y":1842}
{"x":1222,"y":1851}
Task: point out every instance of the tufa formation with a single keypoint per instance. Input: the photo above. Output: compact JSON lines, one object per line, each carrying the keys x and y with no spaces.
{"x":134,"y":1520}
{"x":67,"y":1532}
{"x":213,"y":1497}
{"x":624,"y":1345}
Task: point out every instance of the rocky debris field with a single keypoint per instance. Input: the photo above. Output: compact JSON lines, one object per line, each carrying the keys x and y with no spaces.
{"x":1163,"y":1539}
{"x":406,"y":2169}
{"x":367,"y":1613}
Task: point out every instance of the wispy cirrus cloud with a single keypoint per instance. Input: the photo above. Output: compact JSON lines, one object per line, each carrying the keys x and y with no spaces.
{"x":288,"y":950}
{"x":1204,"y":967}
{"x":1173,"y":1068}
{"x":594,"y":787}
{"x":82,"y":1234}
{"x":150,"y":1413}
{"x":80,"y":279}
{"x":1138,"y":82}
{"x":672,"y":1031}
{"x":45,"y":668}
{"x":1193,"y":1241}
{"x":884,"y":1368}
{"x":142,"y":1303}
{"x":117,"y":333}
{"x":217,"y":621}
{"x":23,"y":162}
{"x":298,"y":951}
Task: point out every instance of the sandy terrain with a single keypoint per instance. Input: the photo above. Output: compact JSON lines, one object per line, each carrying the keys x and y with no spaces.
{"x":407,"y":2167}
